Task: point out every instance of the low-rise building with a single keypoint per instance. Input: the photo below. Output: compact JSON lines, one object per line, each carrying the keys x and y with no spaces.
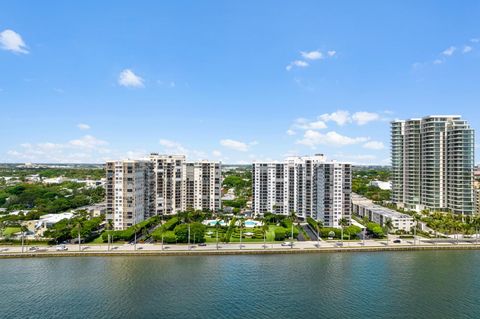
{"x":364,"y":207}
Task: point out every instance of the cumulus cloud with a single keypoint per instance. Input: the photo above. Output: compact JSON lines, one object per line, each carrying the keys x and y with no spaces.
{"x":291,"y":132}
{"x":83,"y":126}
{"x":128,"y":78}
{"x":362,"y":118}
{"x":237,"y":145}
{"x":467,"y":49}
{"x":297,"y":63}
{"x":305,"y":124}
{"x":340,"y":117}
{"x":309,"y":56}
{"x":312,"y":55}
{"x":449,"y":51}
{"x":173,"y":147}
{"x":87,"y":149}
{"x":374,"y":145}
{"x":12,"y":41}
{"x":312,"y":138}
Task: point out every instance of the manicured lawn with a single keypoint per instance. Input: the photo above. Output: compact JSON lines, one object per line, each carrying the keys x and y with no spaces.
{"x":97,"y":240}
{"x":11,"y":230}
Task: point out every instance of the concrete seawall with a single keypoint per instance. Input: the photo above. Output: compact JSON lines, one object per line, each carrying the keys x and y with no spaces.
{"x":232,"y":252}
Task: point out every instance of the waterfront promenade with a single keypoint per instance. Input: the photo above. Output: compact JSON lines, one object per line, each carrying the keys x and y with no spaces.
{"x":234,"y":248}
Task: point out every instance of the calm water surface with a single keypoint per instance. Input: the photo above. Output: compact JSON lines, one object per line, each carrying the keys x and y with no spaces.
{"x":349,"y":285}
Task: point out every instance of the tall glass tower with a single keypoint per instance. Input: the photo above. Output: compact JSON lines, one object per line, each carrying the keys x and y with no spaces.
{"x":433,"y":163}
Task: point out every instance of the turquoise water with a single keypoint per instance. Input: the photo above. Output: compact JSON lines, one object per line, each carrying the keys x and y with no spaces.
{"x":349,"y":285}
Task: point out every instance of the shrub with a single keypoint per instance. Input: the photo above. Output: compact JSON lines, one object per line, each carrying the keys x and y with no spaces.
{"x":279,"y":234}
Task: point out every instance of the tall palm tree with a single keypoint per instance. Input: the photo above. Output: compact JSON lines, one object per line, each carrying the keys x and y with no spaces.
{"x":342,"y":222}
{"x":293,"y":218}
{"x":217,"y":225}
{"x":388,"y":226}
{"x":23,"y":229}
{"x":264,"y":231}
{"x":242,"y":223}
{"x":109,"y":227}
{"x":79,"y":227}
{"x":318,"y":226}
{"x":416,"y":219}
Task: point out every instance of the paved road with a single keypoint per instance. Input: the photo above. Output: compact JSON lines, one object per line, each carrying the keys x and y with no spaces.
{"x":247,"y":246}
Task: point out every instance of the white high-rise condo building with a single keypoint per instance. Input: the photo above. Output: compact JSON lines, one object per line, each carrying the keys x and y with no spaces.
{"x":203,"y":186}
{"x":162,"y":185}
{"x":432,"y":164}
{"x":169,"y":177}
{"x":309,"y":186}
{"x":129,"y":188}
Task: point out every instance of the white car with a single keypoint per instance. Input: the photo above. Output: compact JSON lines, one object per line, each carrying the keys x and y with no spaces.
{"x":62,"y":248}
{"x":287,"y":243}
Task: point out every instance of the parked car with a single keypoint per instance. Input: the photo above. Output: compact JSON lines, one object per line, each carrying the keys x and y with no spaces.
{"x":397,"y":241}
{"x":202,"y":244}
{"x":61,"y":248}
{"x":287,"y":243}
{"x":33,"y":248}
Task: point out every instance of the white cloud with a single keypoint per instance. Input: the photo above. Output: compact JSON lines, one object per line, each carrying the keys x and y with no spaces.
{"x":474,"y":40}
{"x":362,"y":118}
{"x":129,"y":79}
{"x":12,"y":41}
{"x":340,"y":117}
{"x":88,"y":141}
{"x":312,"y":138}
{"x":312,"y":55}
{"x":438,"y":61}
{"x":83,"y":126}
{"x":374,"y":145}
{"x":217,"y":153}
{"x":297,"y":63}
{"x":236,"y":145}
{"x":87,"y":149}
{"x":173,"y":147}
{"x":467,"y":49}
{"x":331,"y":53}
{"x":304,"y":124}
{"x":291,"y":132}
{"x":449,"y":51}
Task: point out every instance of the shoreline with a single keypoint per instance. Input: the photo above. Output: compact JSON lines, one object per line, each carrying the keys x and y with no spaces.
{"x":232,"y":252}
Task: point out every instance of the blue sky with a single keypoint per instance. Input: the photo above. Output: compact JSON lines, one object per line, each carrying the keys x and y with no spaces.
{"x":235,"y":81}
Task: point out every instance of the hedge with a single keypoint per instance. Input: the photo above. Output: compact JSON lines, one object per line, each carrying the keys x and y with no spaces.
{"x":129,"y":233}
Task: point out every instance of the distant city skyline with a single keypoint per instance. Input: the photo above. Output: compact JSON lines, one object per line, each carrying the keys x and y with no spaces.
{"x":230,"y":82}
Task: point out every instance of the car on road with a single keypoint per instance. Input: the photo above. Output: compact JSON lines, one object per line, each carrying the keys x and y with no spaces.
{"x":202,"y":244}
{"x":287,"y":243}
{"x":397,"y":241}
{"x":33,"y":248}
{"x":61,"y":248}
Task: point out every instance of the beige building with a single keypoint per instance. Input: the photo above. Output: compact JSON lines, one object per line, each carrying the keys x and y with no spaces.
{"x":129,"y":187}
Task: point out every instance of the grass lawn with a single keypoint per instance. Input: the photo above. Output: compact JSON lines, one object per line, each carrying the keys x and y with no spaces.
{"x":11,"y":230}
{"x":97,"y":240}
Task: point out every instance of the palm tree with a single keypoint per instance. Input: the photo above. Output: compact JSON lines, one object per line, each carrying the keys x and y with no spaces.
{"x":264,"y":231}
{"x":343,"y":222}
{"x":388,"y":226}
{"x":293,"y":217}
{"x":23,"y":229}
{"x":416,"y":219}
{"x":109,"y":226}
{"x":135,"y":229}
{"x":318,"y":226}
{"x":242,"y":223}
{"x":217,"y":225}
{"x":79,"y":227}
